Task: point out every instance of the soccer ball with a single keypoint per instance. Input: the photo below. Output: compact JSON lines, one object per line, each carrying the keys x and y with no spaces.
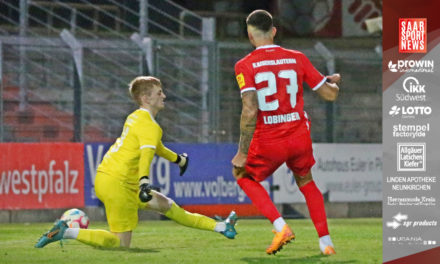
{"x":75,"y":218}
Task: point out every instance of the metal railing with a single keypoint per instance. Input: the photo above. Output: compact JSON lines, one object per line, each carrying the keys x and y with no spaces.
{"x":357,"y":112}
{"x":109,"y":65}
{"x":203,"y":101}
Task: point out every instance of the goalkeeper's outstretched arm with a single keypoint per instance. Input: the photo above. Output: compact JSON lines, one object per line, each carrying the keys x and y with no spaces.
{"x":179,"y":159}
{"x":165,"y":152}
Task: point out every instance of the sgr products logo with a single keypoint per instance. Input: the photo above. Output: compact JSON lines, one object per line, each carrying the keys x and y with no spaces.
{"x":411,"y":156}
{"x":412,"y":35}
{"x":411,"y":66}
{"x":410,"y":111}
{"x":415,"y":92}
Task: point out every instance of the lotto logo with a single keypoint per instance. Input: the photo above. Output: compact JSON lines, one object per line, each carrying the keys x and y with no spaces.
{"x":410,"y":111}
{"x":412,"y":35}
{"x":395,"y":110}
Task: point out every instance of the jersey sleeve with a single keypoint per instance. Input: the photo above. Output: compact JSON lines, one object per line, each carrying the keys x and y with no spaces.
{"x":149,"y":136}
{"x":147,"y":155}
{"x":311,"y":75}
{"x":165,"y":152}
{"x":244,"y":77}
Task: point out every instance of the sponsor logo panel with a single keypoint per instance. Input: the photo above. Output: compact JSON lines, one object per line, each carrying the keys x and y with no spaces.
{"x":411,"y":66}
{"x":412,"y":35}
{"x":411,"y":157}
{"x":410,"y":111}
{"x":41,"y":175}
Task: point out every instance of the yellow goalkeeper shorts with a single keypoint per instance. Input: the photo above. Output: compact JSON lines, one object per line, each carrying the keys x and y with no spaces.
{"x":120,"y":200}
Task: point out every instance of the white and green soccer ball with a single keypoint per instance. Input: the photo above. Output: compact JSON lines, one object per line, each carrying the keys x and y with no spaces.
{"x":76,"y":218}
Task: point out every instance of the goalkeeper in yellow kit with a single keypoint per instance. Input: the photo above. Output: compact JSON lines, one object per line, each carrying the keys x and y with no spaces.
{"x":122,"y":182}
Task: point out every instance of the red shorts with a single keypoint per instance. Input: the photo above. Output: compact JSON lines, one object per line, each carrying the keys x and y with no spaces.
{"x":264,"y":157}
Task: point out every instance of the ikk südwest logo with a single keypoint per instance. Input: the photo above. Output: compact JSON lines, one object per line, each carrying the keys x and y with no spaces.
{"x":412,"y":35}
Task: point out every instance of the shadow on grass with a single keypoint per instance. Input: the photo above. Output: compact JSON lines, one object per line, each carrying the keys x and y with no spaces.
{"x":130,"y":250}
{"x":310,"y":259}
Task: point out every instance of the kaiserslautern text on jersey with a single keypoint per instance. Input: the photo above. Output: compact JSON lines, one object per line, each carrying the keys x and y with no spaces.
{"x":273,"y":62}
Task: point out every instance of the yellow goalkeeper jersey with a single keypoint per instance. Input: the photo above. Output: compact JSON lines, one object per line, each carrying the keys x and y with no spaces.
{"x":129,"y":158}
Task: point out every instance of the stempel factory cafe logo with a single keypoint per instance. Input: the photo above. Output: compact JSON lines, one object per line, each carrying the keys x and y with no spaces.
{"x":411,"y":131}
{"x":412,"y":35}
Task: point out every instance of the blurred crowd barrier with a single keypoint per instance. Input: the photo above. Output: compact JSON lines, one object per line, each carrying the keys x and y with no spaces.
{"x":65,"y":69}
{"x":44,"y":99}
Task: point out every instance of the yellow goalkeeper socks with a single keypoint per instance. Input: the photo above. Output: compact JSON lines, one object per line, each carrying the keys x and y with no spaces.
{"x":98,"y":238}
{"x":186,"y":218}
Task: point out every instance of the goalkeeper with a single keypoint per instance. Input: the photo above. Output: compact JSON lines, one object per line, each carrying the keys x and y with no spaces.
{"x":122,"y":180}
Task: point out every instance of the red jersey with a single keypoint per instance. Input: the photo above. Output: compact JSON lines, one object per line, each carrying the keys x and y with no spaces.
{"x":277,"y":74}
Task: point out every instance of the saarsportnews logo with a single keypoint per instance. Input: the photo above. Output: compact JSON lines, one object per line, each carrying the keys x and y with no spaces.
{"x":411,"y":66}
{"x":412,"y":35}
{"x":410,"y":111}
{"x":414,"y":90}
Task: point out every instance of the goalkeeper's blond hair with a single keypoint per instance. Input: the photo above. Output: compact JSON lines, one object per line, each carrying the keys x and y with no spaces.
{"x":142,"y":85}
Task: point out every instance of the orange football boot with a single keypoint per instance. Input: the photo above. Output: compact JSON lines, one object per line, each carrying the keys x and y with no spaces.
{"x":329,"y":250}
{"x":280,"y":239}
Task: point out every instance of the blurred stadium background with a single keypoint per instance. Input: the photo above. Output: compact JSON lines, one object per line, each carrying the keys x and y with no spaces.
{"x":65,"y":66}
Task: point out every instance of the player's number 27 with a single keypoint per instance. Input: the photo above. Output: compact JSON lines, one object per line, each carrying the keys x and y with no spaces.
{"x":271,"y":89}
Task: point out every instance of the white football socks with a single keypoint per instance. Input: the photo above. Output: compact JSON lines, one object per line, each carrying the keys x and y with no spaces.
{"x":220,"y":227}
{"x":278,"y":224}
{"x":325,"y":241}
{"x":71,"y":233}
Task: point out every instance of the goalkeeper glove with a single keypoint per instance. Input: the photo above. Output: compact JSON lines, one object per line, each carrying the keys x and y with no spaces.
{"x":145,"y":189}
{"x":182,"y":161}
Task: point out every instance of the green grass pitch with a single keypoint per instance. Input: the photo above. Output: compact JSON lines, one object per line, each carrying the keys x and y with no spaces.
{"x":356,"y":241}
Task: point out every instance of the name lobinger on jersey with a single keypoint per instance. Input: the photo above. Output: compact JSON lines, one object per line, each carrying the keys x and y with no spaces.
{"x":276,"y":119}
{"x":273,"y":62}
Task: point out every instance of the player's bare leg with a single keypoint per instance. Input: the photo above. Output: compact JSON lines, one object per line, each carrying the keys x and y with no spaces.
{"x":166,"y":206}
{"x":315,"y":204}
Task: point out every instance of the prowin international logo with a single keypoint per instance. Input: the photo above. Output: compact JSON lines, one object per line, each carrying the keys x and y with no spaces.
{"x":410,"y":111}
{"x":411,"y":66}
{"x":414,"y":91}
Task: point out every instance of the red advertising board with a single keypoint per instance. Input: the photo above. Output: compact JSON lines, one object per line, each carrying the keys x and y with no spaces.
{"x":41,"y":175}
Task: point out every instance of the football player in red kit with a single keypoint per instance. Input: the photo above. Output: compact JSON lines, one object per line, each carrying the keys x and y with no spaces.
{"x":275,"y":129}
